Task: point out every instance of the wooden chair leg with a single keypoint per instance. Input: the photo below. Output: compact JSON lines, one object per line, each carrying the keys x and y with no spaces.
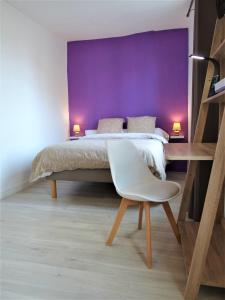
{"x":171,"y":219}
{"x":115,"y":227}
{"x":140,"y":215}
{"x":53,"y":189}
{"x":148,"y":234}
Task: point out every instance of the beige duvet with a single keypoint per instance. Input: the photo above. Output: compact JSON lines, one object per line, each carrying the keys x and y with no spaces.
{"x":90,"y":152}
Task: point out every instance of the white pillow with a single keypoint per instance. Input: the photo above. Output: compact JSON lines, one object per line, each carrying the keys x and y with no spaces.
{"x":162,"y":133}
{"x":94,"y":131}
{"x":144,"y":124}
{"x":90,"y":131}
{"x":110,"y":125}
{"x":158,"y":131}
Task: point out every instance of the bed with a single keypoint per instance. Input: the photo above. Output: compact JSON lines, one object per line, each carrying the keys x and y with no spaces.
{"x":86,"y":159}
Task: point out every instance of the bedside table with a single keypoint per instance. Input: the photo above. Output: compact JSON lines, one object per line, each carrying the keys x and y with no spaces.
{"x":175,"y":138}
{"x":73,"y":138}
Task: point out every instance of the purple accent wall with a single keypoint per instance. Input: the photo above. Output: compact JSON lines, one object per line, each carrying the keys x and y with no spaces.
{"x":140,"y":74}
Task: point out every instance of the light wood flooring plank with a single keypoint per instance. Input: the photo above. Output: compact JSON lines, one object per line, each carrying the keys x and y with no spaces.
{"x":56,"y":249}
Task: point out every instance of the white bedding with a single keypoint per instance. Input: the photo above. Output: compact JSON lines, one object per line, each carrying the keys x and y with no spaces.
{"x":90,"y":152}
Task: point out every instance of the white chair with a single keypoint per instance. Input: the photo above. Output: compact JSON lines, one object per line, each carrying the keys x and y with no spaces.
{"x":136,"y":185}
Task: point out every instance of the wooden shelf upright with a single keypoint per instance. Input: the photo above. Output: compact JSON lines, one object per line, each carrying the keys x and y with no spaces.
{"x":203,"y":242}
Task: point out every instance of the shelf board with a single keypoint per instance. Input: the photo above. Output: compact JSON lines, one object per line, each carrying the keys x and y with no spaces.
{"x":189,"y":151}
{"x":220,"y":51}
{"x":214,"y":271}
{"x":216,"y":98}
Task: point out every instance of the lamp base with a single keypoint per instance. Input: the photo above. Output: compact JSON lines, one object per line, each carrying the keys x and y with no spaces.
{"x":76,"y":133}
{"x":176,"y":132}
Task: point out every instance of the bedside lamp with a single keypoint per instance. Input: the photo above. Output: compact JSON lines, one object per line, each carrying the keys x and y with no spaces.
{"x":176,"y":128}
{"x":76,"y":129}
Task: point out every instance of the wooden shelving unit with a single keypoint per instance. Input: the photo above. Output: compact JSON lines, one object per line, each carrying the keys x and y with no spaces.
{"x":203,"y":242}
{"x":220,"y":51}
{"x":216,"y":98}
{"x":214,"y":272}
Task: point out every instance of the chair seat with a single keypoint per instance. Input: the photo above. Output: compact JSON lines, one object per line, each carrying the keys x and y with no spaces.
{"x":157,"y":191}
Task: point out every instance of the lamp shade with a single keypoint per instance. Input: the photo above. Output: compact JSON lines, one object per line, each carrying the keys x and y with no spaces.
{"x":176,"y":127}
{"x":76,"y":128}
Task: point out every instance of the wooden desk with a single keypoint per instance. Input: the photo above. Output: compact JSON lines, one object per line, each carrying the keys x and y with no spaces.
{"x":189,"y":151}
{"x":214,"y":271}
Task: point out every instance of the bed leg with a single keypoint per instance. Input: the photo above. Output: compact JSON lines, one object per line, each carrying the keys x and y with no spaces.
{"x":53,"y":189}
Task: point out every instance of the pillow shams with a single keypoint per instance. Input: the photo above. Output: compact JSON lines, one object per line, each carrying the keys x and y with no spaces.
{"x":110,"y":125}
{"x":141,"y":124}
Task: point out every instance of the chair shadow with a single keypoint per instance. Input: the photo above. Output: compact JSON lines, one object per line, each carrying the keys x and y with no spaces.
{"x":88,"y":194}
{"x":179,"y":284}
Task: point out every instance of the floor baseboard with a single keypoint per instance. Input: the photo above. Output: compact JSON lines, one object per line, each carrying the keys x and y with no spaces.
{"x":4,"y":193}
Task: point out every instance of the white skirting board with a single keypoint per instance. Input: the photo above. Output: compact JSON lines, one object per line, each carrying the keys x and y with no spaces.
{"x":13,"y":189}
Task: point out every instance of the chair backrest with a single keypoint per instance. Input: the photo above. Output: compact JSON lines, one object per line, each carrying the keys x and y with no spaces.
{"x":127,"y":166}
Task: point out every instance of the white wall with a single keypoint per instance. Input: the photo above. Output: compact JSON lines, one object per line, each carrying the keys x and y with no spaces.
{"x":33,"y":107}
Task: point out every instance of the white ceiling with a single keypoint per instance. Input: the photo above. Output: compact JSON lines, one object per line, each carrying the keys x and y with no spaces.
{"x":91,"y":19}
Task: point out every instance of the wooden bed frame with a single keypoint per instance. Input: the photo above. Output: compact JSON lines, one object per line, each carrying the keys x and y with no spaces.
{"x":86,"y":175}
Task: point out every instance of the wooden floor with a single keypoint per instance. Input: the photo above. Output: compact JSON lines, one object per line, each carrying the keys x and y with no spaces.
{"x":56,"y":250}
